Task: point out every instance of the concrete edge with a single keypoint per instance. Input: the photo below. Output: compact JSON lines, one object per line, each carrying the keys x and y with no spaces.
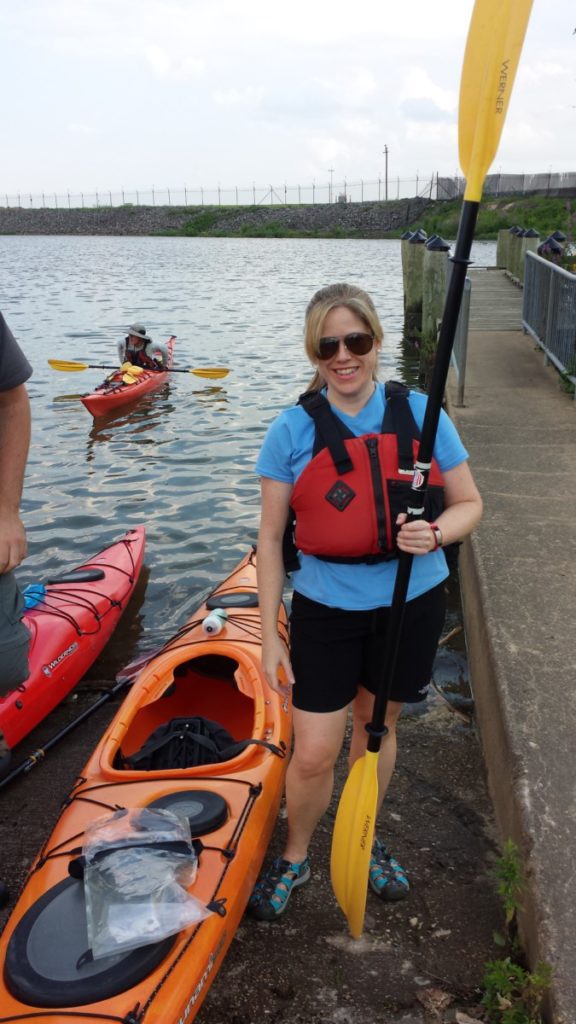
{"x":505,"y":773}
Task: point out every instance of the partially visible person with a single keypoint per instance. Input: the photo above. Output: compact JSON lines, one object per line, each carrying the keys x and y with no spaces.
{"x":14,"y":443}
{"x":342,"y":461}
{"x":140,"y":350}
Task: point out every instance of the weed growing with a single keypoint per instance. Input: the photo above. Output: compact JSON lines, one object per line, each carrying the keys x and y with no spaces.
{"x":512,"y":993}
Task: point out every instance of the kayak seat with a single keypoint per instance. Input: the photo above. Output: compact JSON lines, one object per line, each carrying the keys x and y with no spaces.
{"x":187,"y":743}
{"x":181,"y":743}
{"x":46,"y":965}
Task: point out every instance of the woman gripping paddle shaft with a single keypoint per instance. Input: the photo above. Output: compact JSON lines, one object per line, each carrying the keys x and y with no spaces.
{"x":341,"y":463}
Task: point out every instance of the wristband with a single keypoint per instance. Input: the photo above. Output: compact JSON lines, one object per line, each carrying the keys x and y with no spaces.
{"x":438,"y":539}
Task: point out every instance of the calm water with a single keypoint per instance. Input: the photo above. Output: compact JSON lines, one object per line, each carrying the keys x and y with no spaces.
{"x":182,"y":460}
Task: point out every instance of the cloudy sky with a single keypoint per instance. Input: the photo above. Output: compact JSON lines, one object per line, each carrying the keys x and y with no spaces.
{"x":126,"y":94}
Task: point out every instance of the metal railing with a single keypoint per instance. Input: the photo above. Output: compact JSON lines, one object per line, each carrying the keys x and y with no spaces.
{"x":549,"y":312}
{"x":460,"y":346}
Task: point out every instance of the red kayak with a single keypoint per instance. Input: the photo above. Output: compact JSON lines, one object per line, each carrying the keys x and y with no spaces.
{"x":70,"y":625}
{"x":114,"y":392}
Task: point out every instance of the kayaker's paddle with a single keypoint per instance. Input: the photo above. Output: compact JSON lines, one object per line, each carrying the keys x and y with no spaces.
{"x":492,"y":53}
{"x":38,"y":755}
{"x":69,"y":366}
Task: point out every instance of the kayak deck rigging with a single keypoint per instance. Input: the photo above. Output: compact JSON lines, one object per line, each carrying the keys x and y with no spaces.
{"x":52,"y":601}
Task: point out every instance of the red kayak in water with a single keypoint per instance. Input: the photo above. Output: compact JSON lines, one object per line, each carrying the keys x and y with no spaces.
{"x":115,"y":392}
{"x":72,"y":621}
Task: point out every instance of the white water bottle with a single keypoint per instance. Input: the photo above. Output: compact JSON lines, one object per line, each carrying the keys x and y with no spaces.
{"x":214,"y":622}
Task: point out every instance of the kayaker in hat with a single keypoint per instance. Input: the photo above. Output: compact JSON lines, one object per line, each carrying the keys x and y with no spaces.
{"x":140,"y":350}
{"x":339,"y":462}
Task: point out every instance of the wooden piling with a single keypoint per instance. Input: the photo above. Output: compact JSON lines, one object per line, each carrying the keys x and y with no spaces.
{"x":528,"y":243}
{"x":434,"y":276}
{"x":413,"y":288}
{"x":502,"y":248}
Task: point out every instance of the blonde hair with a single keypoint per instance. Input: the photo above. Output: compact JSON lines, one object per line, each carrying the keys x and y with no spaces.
{"x":327,"y":299}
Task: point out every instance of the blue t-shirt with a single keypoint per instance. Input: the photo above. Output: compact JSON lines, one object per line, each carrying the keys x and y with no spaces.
{"x":287,"y":449}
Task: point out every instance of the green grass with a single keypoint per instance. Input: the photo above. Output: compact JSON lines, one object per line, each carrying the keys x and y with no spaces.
{"x":543,"y":214}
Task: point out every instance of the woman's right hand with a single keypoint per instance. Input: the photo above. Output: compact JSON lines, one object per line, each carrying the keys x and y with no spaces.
{"x":276,"y":666}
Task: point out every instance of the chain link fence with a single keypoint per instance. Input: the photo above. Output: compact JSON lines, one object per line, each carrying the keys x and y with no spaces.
{"x":512,"y":184}
{"x":333,"y":191}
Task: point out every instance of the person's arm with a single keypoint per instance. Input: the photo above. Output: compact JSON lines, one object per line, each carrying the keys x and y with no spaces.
{"x":271,"y":575}
{"x":462,"y":512}
{"x":122,"y":346}
{"x":159,"y":352}
{"x":14,"y":444}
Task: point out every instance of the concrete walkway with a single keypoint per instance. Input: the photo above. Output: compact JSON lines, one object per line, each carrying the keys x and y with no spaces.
{"x":519,"y":595}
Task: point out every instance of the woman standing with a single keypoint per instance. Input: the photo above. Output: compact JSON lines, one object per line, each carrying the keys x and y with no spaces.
{"x":338,"y":460}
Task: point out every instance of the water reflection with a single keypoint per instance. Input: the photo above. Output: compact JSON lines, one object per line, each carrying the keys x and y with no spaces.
{"x":67,"y":398}
{"x":212,"y":394}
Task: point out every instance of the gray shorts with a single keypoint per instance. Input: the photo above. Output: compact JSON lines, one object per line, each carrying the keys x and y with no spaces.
{"x":14,"y":636}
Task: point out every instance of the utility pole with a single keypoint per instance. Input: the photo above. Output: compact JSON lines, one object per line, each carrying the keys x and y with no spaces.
{"x":385,"y":171}
{"x":330,"y":172}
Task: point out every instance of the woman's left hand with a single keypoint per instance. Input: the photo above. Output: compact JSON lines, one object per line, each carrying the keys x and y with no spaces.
{"x":416,"y":538}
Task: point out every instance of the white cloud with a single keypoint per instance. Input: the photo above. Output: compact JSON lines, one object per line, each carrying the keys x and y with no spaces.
{"x":248,"y":98}
{"x":82,"y":129}
{"x":218,"y":90}
{"x":418,"y":84}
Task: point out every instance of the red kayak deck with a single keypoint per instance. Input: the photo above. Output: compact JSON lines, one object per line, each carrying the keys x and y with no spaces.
{"x":116,"y":393}
{"x":70,"y":626}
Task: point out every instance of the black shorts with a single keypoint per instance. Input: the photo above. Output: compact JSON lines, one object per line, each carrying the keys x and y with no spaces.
{"x":334,"y":651}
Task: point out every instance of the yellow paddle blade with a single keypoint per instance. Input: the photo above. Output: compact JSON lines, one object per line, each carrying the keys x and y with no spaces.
{"x":67,"y":367}
{"x":352,"y":840}
{"x":212,"y":372}
{"x":129,"y":368}
{"x":495,"y":39}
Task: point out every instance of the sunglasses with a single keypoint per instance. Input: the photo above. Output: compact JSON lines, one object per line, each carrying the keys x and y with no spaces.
{"x":358,"y":343}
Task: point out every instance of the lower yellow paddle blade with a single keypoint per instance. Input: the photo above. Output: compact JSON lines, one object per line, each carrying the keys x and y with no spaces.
{"x":352,"y":840}
{"x":211,"y":372}
{"x":67,"y":367}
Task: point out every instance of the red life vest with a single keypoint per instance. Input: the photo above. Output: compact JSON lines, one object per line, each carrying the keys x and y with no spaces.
{"x":346,"y":500}
{"x":139,"y":357}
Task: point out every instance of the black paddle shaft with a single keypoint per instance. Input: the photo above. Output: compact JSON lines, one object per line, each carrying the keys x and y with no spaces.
{"x":461,"y":259}
{"x":161,"y":369}
{"x":38,"y":756}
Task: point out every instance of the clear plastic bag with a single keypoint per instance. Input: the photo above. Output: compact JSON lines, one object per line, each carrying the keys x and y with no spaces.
{"x":138,"y":863}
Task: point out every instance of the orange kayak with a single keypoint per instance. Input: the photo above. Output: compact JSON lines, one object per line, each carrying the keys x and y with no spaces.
{"x":114,"y":393}
{"x":49,"y":974}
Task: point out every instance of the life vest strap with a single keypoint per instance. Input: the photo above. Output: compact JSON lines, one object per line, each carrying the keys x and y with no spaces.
{"x":399,"y":420}
{"x":331,"y":432}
